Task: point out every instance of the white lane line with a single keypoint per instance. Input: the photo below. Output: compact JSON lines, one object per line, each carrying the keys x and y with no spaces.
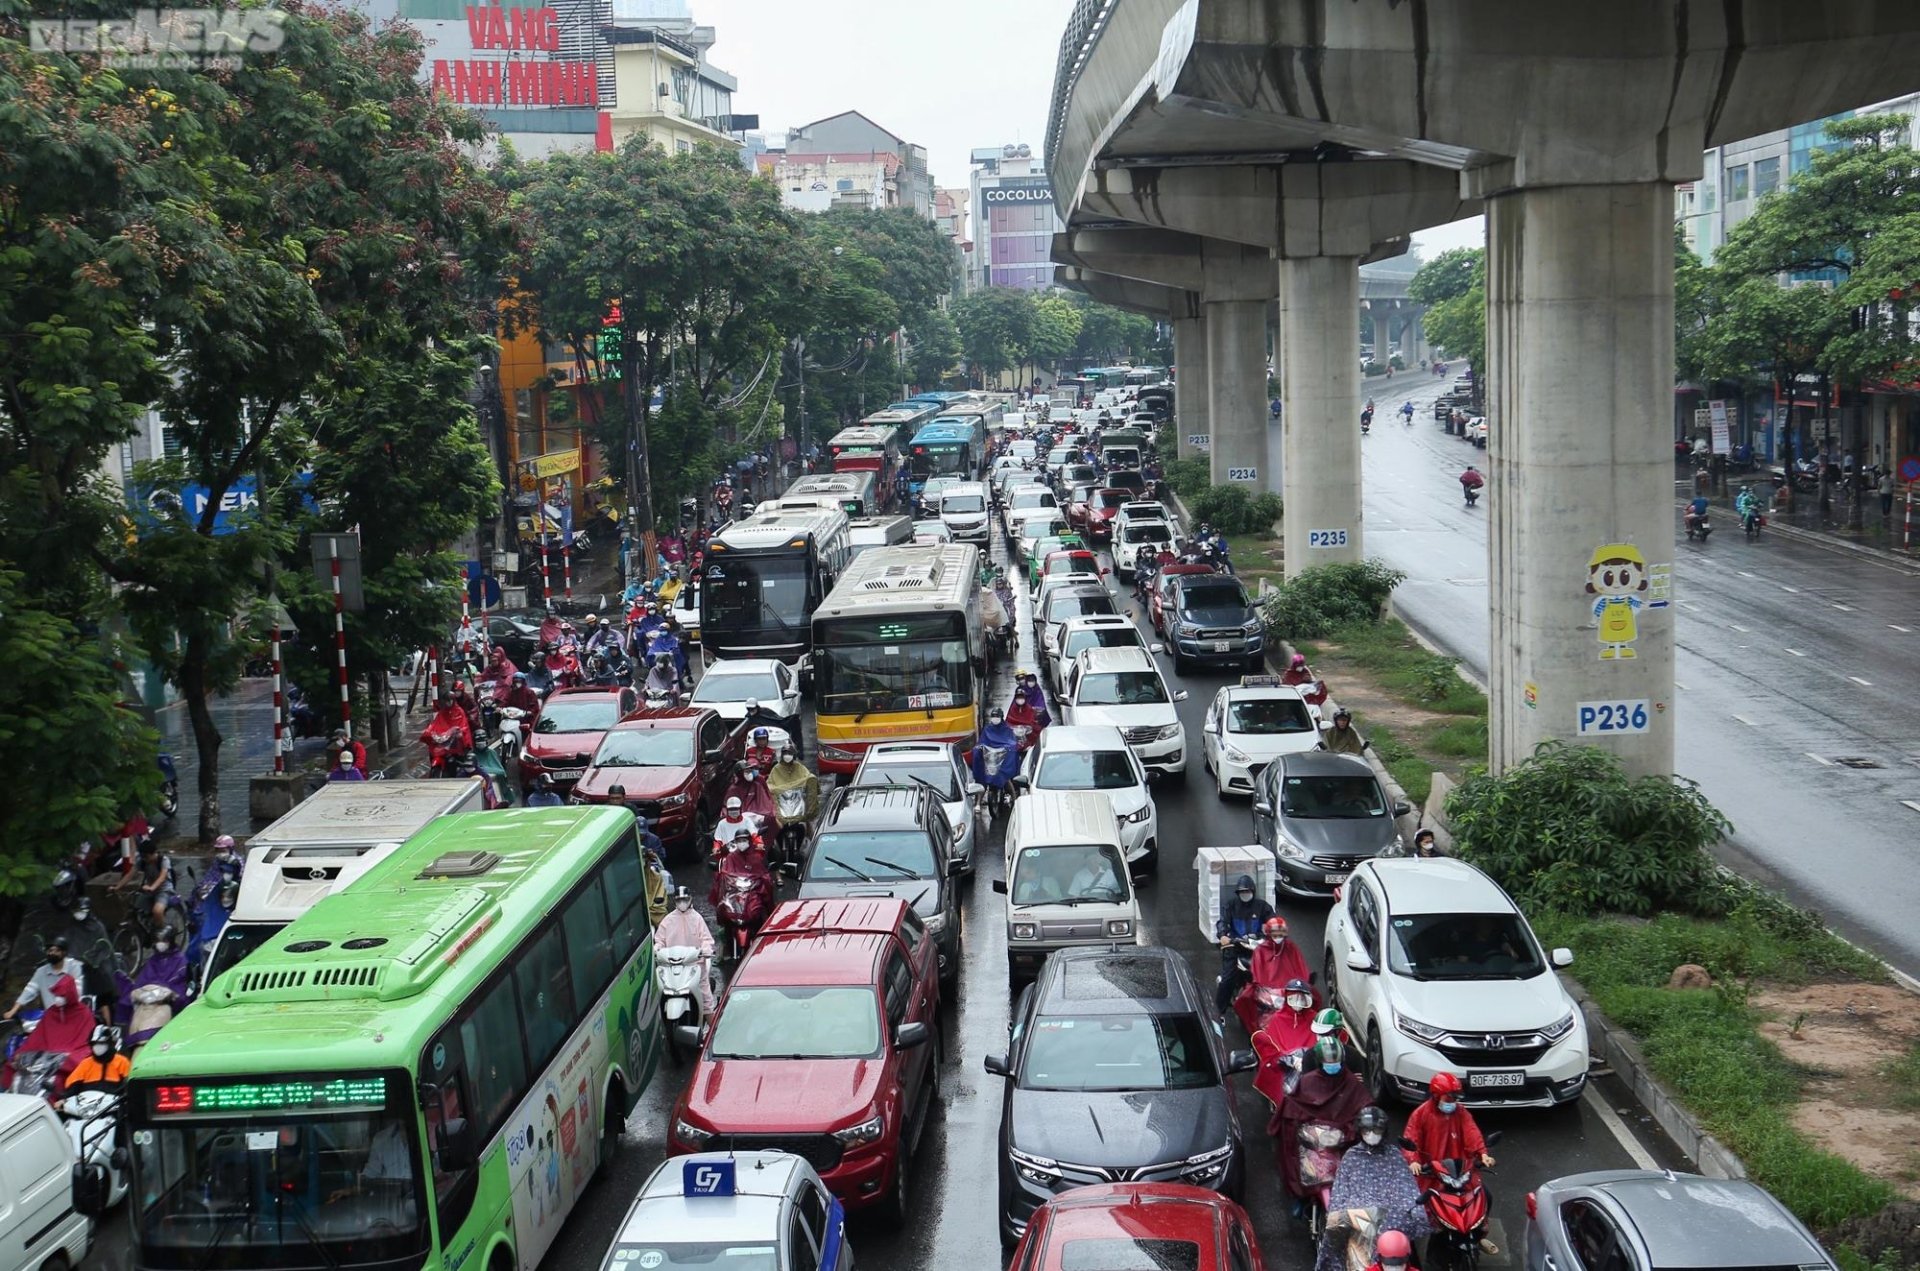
{"x":1912,"y":804}
{"x":1794,"y":590}
{"x":1897,"y":627}
{"x":1796,"y":653}
{"x":1736,"y":626}
{"x":1862,"y":683}
{"x":1677,"y":684}
{"x":1819,"y":759}
{"x":1745,"y":574}
{"x":1749,"y":723}
{"x":1611,"y":1119}
{"x":1843,"y":608}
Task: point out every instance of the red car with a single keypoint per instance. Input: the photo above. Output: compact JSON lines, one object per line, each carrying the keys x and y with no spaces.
{"x":669,"y":765}
{"x":561,"y":739}
{"x":1138,"y":1224}
{"x":1158,"y":596}
{"x":1102,"y":508}
{"x":825,"y":1045}
{"x":1078,"y":503}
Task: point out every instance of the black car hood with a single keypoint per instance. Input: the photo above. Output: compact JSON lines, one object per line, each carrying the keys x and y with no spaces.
{"x":1131,"y":1128}
{"x":922,"y":893}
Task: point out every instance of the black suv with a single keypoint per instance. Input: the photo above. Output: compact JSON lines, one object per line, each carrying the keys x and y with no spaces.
{"x":889,"y":841}
{"x":1116,"y":1074}
{"x":1210,"y":621}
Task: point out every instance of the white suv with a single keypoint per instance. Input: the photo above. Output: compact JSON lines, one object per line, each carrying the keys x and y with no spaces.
{"x":1097,"y":759}
{"x":1436,"y":970}
{"x":964,"y":511}
{"x":1133,"y":539}
{"x":1124,"y":688}
{"x":1092,"y":631}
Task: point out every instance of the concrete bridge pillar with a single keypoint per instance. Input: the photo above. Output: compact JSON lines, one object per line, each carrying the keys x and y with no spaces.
{"x":1237,"y":392}
{"x":1580,"y":346}
{"x":1190,"y":388}
{"x":1320,"y":388}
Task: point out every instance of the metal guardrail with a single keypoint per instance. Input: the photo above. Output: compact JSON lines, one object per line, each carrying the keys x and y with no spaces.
{"x":1084,"y":25}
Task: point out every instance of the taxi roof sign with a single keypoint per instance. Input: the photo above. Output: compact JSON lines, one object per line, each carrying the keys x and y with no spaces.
{"x":707,"y":1178}
{"x":1260,"y":681}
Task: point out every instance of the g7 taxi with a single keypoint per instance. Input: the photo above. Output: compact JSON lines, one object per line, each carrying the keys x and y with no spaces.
{"x":745,"y":1211}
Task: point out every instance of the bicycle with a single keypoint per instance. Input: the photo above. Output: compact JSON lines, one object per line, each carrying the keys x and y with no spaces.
{"x":135,"y":937}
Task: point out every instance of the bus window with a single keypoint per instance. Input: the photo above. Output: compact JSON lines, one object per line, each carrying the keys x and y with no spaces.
{"x":589,"y":943}
{"x":546,"y":995}
{"x":626,"y":900}
{"x":446,"y":1113}
{"x":491,"y":1033}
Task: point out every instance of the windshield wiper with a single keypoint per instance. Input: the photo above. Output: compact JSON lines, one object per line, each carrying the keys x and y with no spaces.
{"x":902,"y":870}
{"x":220,"y":1233}
{"x":922,"y":781}
{"x":834,"y":860}
{"x":301,"y":1220}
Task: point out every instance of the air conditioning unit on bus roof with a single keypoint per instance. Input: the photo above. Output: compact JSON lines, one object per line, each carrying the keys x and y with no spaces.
{"x":913,"y":577}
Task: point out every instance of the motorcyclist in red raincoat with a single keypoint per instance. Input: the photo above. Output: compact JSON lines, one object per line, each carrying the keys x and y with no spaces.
{"x":447,"y":735}
{"x":1441,"y":1129}
{"x":1028,"y":710}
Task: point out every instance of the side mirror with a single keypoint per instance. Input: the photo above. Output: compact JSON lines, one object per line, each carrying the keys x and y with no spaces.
{"x":1326,"y":725}
{"x":910,"y":1035}
{"x":1156,"y":648}
{"x":975,"y":789}
{"x":1357,"y":960}
{"x":997,"y":1065}
{"x":1021,"y":783}
{"x":1000,"y":886}
{"x":1262,"y":808}
{"x":1153,"y":776}
{"x":1242,"y":1061}
{"x":1402,"y":809}
{"x":1180,"y":695}
{"x":1563,"y":957}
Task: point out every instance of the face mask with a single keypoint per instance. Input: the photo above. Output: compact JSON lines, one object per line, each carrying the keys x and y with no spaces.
{"x":1398,"y":1264}
{"x":683,"y":905}
{"x":1447,"y":1106}
{"x":1276,"y":941}
{"x":161,"y":946}
{"x":55,"y":959}
{"x":787,"y":757}
{"x":1246,"y":897}
{"x":1332,"y":1070}
{"x":101,"y":1052}
{"x":1372,"y":1140}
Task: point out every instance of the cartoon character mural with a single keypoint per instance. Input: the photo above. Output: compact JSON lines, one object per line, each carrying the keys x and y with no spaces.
{"x":1616,"y":577}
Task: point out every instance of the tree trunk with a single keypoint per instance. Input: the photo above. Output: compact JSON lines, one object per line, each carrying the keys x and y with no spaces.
{"x":206,"y":737}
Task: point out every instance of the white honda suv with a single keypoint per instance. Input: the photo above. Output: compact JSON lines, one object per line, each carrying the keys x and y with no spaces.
{"x":1124,"y":688}
{"x":1436,"y":970}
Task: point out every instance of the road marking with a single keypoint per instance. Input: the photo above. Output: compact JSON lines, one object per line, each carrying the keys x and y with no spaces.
{"x":1796,"y":653}
{"x":1912,"y":804}
{"x":1794,"y":590}
{"x":1862,"y":683}
{"x":1897,"y":627}
{"x":1749,"y":723}
{"x":1677,"y":684}
{"x":1736,"y":626}
{"x":1823,"y":762}
{"x":1611,"y":1119}
{"x":1843,"y":608}
{"x":1745,"y":574}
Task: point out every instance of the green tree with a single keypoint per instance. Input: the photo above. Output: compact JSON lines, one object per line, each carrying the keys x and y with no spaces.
{"x":1452,"y":273}
{"x":996,"y":326}
{"x":1053,"y":331}
{"x":935,"y":345}
{"x":1108,"y":334}
{"x":78,"y":762}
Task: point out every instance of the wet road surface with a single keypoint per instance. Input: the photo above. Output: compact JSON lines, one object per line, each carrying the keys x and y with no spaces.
{"x":1796,"y":674}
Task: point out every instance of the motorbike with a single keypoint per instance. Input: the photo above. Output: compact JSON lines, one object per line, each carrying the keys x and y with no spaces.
{"x":36,"y":1072}
{"x":790,"y":809}
{"x":1320,"y":1147}
{"x":677,"y":971}
{"x":1366,"y":424}
{"x":1754,"y":521}
{"x":1473,"y":494}
{"x":742,"y":908}
{"x":169,"y":788}
{"x":1457,"y":1207}
{"x":212,"y":904}
{"x":996,"y":796}
{"x":1698,"y":527}
{"x":511,"y":731}
{"x":442,"y":761}
{"x":92,"y":1118}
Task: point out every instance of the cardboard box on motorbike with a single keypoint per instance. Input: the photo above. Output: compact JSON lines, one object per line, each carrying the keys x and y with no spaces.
{"x":1220,"y":867}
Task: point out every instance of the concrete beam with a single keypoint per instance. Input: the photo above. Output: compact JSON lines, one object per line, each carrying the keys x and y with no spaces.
{"x":1294,"y":209}
{"x":1133,"y":295}
{"x":1211,"y":267}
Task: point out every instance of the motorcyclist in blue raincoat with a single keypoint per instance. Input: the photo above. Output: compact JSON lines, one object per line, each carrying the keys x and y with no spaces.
{"x":665,"y":640}
{"x":998,"y":736}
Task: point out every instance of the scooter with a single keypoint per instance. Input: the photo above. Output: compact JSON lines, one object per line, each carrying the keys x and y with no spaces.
{"x":442,"y":761}
{"x":1699,"y":527}
{"x":790,"y":809}
{"x":742,"y":908}
{"x":1457,"y":1207}
{"x":677,"y":970}
{"x":92,"y":1118}
{"x":169,"y":788}
{"x":511,"y":731}
{"x":1320,"y":1147}
{"x":1473,"y":494}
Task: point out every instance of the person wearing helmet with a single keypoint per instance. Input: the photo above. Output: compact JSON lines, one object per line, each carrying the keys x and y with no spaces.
{"x":1028,"y":710}
{"x":499,"y":669}
{"x":662,"y":677}
{"x":1242,"y":914}
{"x":1343,"y":738}
{"x":734,"y":819}
{"x":542,"y":794}
{"x":342,"y":740}
{"x":343,"y":769}
{"x":1373,"y":1176}
{"x":1441,"y":1129}
{"x":996,"y":756}
{"x":760,"y":752}
{"x":1329,"y":1022}
{"x":1298,"y":672}
{"x":683,"y":927}
{"x":104,"y":1068}
{"x":1278,"y":960}
{"x":1325,"y":1101}
{"x":539,"y":674}
{"x":54,"y":964}
{"x":1424,"y":845}
{"x":1392,"y":1251}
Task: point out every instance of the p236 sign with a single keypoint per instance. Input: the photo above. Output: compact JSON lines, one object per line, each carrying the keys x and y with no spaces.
{"x":1613,"y":719}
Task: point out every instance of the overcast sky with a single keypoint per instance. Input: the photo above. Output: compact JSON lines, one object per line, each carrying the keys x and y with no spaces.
{"x":952,"y":77}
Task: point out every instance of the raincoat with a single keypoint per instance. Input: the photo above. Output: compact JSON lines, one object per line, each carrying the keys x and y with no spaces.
{"x":1433,"y":1135}
{"x":998,"y":737}
{"x":1274,"y":965}
{"x":1372,"y":1178}
{"x":64,"y":1029}
{"x":169,"y":971}
{"x":795,"y":776}
{"x":690,"y":930}
{"x":1316,"y":1099}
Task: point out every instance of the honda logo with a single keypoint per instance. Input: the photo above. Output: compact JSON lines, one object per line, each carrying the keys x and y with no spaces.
{"x":1494,"y":1041}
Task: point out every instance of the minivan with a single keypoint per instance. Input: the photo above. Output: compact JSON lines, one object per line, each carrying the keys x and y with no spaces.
{"x":1067,"y":882}
{"x":963,"y":510}
{"x":42,"y":1227}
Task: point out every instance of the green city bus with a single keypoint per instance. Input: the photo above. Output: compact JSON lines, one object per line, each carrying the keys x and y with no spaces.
{"x":422,"y":1071}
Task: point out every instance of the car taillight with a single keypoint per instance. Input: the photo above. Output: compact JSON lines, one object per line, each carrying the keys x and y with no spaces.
{"x":1533,"y":1206}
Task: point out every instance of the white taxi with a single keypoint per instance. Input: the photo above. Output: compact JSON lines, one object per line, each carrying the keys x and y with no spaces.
{"x":743,"y":1210}
{"x":1251,"y":724}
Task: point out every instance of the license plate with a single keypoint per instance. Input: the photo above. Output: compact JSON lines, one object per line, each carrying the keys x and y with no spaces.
{"x":1221,"y":646}
{"x":1485,"y":1079}
{"x":1334,"y":880}
{"x":565,"y":774}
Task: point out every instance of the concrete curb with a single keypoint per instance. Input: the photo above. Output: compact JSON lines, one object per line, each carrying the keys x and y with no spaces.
{"x":1620,"y":1051}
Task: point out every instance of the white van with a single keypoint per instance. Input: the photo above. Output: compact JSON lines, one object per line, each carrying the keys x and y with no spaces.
{"x":41,"y":1226}
{"x":341,"y":832}
{"x":1066,"y":878}
{"x":963,"y":509}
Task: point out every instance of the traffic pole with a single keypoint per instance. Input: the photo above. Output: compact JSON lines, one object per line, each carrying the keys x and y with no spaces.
{"x":433,"y":675}
{"x":340,"y":636}
{"x":466,"y":611}
{"x":546,"y":579}
{"x":1906,"y":538}
{"x":566,"y":568}
{"x":279,"y":707}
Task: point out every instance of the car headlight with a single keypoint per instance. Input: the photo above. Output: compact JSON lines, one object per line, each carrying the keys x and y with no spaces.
{"x":1168,"y":732}
{"x":1208,"y":1167}
{"x":1186,"y":628}
{"x":688,"y":1133}
{"x":1420,"y":1032}
{"x":868,"y":1131}
{"x":1120,"y":927}
{"x":1035,"y":1169}
{"x":1284,"y":846}
{"x":1140,"y":817}
{"x":1234,"y":753}
{"x":1559,"y":1028}
{"x":674,"y":800}
{"x":1025,"y":930}
{"x":1252,"y":628}
{"x":936,"y":924}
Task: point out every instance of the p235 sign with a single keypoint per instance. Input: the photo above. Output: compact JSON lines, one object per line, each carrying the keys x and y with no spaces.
{"x":1326,"y":538}
{"x":1613,"y":719}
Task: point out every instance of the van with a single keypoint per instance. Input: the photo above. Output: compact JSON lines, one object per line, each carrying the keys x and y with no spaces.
{"x":41,"y":1225}
{"x":1066,"y":879}
{"x":325,"y":843}
{"x":963,"y":509}
{"x":878,"y":531}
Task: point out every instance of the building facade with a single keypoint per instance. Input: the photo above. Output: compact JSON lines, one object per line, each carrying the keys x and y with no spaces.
{"x":666,"y":90}
{"x":847,"y":160}
{"x":1014,"y":220}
